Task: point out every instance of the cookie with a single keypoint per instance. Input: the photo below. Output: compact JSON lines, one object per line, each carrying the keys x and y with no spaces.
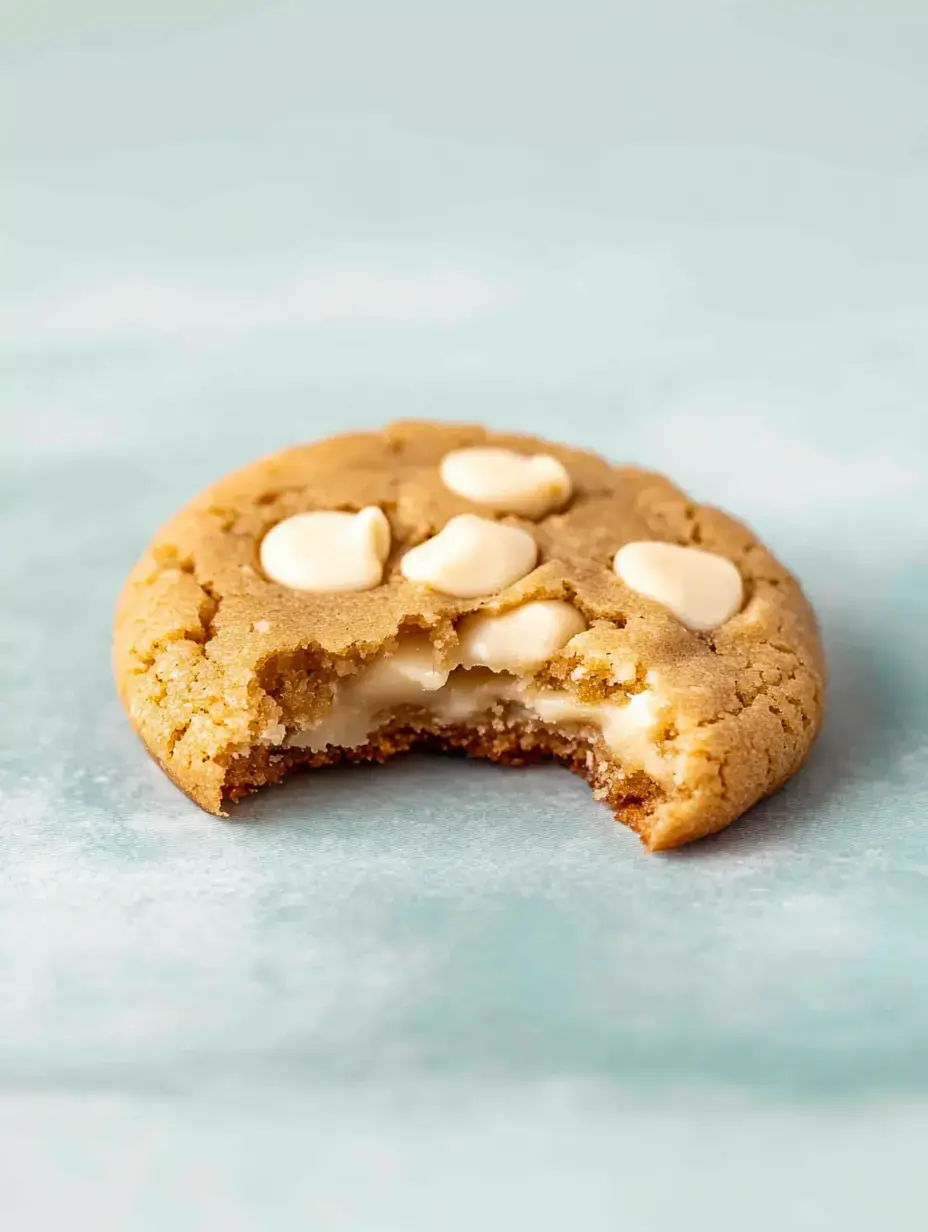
{"x":438,"y":585}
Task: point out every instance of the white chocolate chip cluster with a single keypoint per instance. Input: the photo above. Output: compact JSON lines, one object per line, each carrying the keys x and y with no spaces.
{"x":473,"y":557}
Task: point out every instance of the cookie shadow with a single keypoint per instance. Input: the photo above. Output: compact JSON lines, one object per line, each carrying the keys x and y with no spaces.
{"x":420,"y":791}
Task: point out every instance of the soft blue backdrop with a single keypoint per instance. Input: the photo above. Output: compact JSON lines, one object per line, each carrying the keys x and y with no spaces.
{"x":441,"y":995}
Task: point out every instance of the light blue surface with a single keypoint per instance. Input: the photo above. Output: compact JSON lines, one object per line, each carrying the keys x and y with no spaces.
{"x":439,"y":995}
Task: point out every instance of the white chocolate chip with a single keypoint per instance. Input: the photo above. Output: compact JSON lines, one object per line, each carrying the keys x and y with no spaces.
{"x":702,"y":589}
{"x":262,"y":626}
{"x":328,"y":550}
{"x":471,"y":556}
{"x":526,"y":484}
{"x":519,"y":640}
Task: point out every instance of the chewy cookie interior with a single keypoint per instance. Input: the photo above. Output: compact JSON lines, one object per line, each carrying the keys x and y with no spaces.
{"x":417,"y":694}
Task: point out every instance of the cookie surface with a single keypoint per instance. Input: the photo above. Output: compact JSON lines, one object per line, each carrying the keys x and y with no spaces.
{"x":515,"y":608}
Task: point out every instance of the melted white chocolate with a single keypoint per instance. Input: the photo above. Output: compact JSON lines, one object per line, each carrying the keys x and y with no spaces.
{"x":521,"y":639}
{"x":450,"y":695}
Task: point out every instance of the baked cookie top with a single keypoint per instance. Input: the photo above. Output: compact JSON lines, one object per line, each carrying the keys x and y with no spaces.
{"x":237,"y":625}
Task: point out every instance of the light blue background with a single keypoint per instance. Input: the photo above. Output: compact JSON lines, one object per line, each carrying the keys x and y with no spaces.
{"x":439,"y":995}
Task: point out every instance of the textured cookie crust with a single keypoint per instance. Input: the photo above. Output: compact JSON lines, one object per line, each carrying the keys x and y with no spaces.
{"x":210,"y":656}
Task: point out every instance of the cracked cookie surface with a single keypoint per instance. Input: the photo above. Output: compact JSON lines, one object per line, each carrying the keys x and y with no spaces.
{"x":223,"y":671}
